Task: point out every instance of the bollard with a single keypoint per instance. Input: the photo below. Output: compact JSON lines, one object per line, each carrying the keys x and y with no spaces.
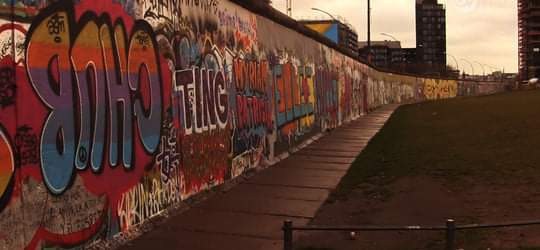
{"x":287,"y":235}
{"x":450,"y":234}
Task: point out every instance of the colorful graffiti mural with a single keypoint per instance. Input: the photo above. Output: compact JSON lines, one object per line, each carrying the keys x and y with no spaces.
{"x":112,"y":111}
{"x":440,"y":89}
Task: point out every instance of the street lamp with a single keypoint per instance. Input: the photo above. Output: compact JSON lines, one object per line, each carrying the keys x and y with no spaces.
{"x":454,"y":58}
{"x":493,"y":67}
{"x":388,"y":35}
{"x":472,"y":67}
{"x":483,"y":69}
{"x":330,"y":15}
{"x":493,"y":70}
{"x":369,"y":24}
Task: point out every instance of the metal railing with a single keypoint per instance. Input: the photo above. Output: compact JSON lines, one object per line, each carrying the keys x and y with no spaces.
{"x":450,"y":228}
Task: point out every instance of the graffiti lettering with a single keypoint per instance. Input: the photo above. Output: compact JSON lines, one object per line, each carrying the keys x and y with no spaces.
{"x":327,"y":102}
{"x":292,"y":94}
{"x":12,"y":38}
{"x":201,"y":100}
{"x":235,"y":21}
{"x":169,"y":156}
{"x":205,"y":5}
{"x":253,"y":112}
{"x":251,"y":75}
{"x":437,"y":89}
{"x":146,"y":200}
{"x":51,"y":63}
{"x":161,"y":10}
{"x":56,"y":26}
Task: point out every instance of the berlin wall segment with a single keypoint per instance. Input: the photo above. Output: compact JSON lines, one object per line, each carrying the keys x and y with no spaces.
{"x":113,"y":110}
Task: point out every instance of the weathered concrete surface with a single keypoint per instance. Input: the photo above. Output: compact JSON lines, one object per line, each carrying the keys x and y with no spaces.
{"x":250,"y":215}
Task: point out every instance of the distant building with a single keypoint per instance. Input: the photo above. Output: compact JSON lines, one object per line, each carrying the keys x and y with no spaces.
{"x":383,"y":53}
{"x":390,"y":55}
{"x":431,"y":35}
{"x":529,"y":38}
{"x":409,"y":55}
{"x":340,"y":33}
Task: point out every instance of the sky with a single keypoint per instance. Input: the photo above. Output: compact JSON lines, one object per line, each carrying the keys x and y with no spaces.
{"x":482,"y":32}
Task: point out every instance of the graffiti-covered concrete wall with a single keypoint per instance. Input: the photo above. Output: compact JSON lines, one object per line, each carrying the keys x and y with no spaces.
{"x":476,"y":88}
{"x":112,"y":110}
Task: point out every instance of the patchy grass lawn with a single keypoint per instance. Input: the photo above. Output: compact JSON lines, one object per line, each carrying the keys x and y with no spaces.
{"x":472,"y":159}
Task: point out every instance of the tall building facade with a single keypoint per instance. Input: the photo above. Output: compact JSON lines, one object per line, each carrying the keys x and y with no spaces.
{"x":431,"y":35}
{"x":529,"y":38}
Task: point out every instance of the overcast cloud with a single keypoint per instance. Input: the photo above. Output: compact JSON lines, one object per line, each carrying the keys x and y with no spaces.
{"x":484,"y":31}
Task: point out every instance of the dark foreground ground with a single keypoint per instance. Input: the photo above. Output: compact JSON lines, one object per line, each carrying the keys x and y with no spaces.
{"x":476,"y":160}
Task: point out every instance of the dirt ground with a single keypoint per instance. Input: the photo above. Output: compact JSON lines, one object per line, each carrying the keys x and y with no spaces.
{"x":424,"y":200}
{"x":428,"y":165}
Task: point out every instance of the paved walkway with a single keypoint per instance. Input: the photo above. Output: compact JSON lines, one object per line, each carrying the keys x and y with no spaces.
{"x":251,"y":214}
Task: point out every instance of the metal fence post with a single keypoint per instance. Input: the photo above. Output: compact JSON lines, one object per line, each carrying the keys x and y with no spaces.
{"x":450,"y":234}
{"x":287,"y":235}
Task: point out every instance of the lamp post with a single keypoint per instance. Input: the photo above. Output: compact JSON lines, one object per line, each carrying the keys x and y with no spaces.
{"x":369,"y":25}
{"x":483,"y":69}
{"x":472,"y":67}
{"x":494,"y":68}
{"x":388,"y":35}
{"x":454,"y":58}
{"x":330,"y":15}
